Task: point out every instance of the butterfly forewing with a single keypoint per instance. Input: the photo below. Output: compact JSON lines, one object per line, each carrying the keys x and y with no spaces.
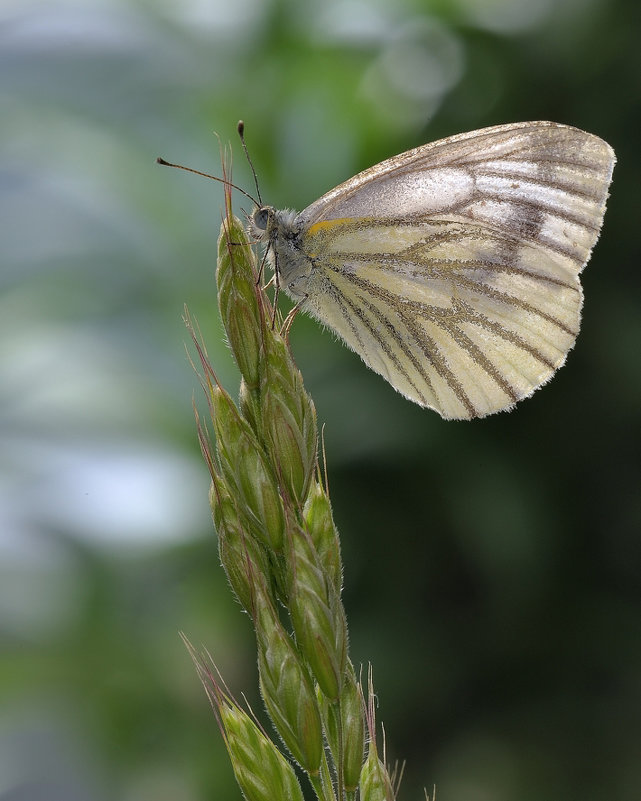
{"x":453,"y":269}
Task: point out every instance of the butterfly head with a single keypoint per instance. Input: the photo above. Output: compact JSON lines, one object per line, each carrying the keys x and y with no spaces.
{"x":273,"y":226}
{"x":261,"y":222}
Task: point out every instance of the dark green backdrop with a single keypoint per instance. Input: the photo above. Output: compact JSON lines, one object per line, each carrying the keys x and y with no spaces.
{"x":492,"y":569}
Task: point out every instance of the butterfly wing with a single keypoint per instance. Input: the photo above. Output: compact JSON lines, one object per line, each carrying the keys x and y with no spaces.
{"x":452,"y":269}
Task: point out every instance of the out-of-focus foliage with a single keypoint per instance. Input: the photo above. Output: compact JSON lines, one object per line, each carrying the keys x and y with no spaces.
{"x":493,"y":569}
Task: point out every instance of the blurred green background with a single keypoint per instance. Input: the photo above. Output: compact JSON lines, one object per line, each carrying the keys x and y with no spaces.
{"x":493,"y":569}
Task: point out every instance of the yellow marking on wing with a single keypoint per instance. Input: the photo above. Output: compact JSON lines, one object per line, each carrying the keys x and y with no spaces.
{"x":325,"y":225}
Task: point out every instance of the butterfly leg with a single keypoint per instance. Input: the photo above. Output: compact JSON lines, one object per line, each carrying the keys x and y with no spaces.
{"x":287,"y":324}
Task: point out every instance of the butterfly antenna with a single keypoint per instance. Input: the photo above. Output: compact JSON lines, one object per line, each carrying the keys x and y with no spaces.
{"x":241,"y":133}
{"x":213,"y":178}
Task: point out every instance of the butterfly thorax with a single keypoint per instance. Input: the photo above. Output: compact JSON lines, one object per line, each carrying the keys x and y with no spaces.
{"x":281,"y":232}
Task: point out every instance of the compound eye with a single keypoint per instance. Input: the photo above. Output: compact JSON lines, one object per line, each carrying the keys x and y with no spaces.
{"x":261,"y":216}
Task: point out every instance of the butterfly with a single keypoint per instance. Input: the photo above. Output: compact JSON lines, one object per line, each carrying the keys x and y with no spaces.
{"x":453,"y":269}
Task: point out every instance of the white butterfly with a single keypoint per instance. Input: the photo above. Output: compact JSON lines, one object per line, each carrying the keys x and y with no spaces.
{"x":453,"y":269}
